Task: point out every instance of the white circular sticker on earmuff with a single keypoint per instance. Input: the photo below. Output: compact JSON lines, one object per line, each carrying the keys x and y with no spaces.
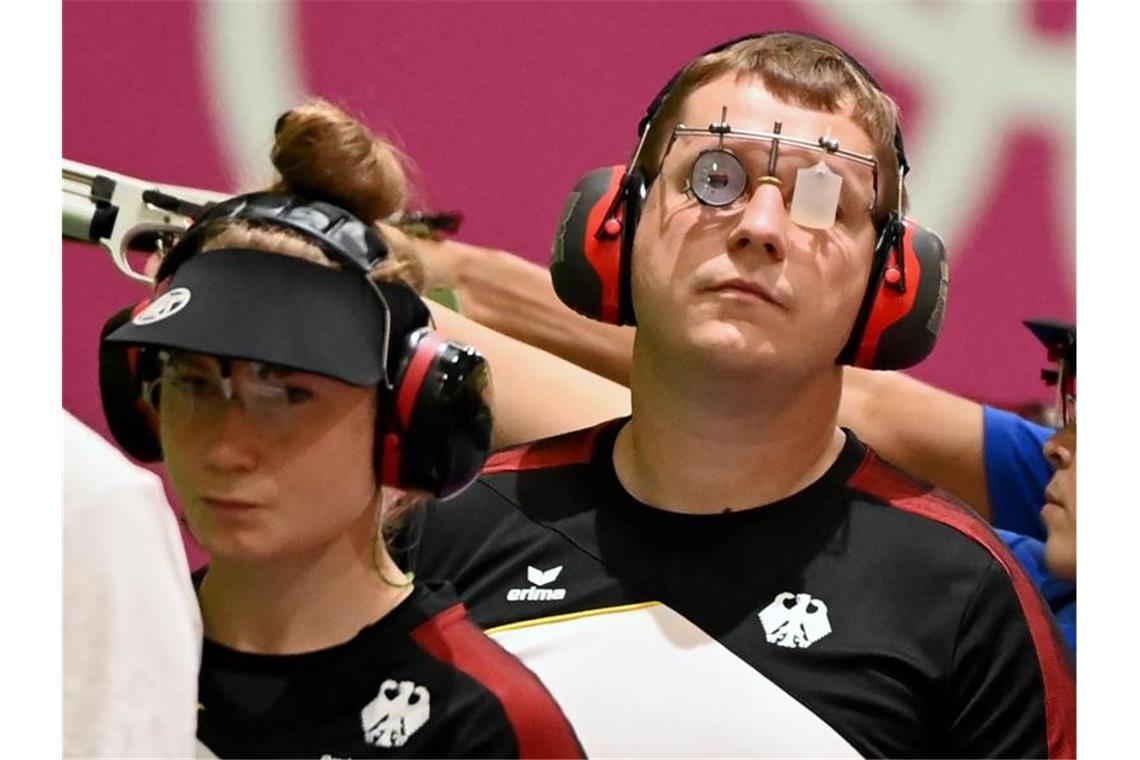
{"x":166,"y":305}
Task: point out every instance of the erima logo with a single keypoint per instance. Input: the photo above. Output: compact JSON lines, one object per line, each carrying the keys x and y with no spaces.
{"x":534,"y":594}
{"x":542,"y":577}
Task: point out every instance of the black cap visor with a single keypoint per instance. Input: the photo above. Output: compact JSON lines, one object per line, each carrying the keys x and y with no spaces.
{"x":278,"y":309}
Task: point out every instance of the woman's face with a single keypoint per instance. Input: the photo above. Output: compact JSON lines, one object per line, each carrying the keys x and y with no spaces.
{"x":266,"y":462}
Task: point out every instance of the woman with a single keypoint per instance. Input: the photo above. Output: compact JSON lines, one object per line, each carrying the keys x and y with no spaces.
{"x":289,"y":374}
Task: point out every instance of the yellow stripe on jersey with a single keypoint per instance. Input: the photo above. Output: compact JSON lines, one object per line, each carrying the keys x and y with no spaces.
{"x":569,"y":616}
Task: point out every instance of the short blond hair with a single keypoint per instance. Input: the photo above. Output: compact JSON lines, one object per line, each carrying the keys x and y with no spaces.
{"x":799,"y":69}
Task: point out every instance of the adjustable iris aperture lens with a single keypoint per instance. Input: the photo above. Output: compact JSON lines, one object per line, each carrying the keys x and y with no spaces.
{"x":717,"y":178}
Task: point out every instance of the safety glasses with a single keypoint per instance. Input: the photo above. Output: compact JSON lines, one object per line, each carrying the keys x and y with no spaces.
{"x":199,"y":392}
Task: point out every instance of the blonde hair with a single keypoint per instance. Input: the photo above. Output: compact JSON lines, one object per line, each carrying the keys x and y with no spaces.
{"x":322,"y":153}
{"x":799,"y":69}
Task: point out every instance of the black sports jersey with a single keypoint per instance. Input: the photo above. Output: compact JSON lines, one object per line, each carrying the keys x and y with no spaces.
{"x":865,"y":615}
{"x":423,"y":681}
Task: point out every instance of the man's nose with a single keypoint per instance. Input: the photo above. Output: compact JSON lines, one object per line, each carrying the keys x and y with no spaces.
{"x":1057,"y":453}
{"x":763,"y":224}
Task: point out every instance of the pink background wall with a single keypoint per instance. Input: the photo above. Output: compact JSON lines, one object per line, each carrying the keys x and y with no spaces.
{"x":503,"y":106}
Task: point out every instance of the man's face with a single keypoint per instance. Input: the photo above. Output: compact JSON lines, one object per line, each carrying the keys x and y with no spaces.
{"x":1060,"y":511}
{"x":744,"y":286}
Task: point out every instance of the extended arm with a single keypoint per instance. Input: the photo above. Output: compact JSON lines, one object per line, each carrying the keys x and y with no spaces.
{"x":931,"y":433}
{"x":536,"y":394}
{"x":515,"y":297}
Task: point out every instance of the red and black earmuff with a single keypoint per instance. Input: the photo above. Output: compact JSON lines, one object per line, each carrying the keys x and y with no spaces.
{"x":901,"y":313}
{"x":434,"y":429}
{"x":123,"y":370}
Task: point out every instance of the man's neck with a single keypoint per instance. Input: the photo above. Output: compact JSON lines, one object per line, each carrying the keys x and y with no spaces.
{"x":299,"y":603}
{"x":726,"y":441}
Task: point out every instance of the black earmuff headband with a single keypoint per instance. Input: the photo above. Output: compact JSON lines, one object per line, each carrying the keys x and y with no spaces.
{"x":340,"y":235}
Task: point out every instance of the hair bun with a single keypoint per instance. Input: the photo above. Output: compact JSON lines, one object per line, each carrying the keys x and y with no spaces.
{"x":324,"y":154}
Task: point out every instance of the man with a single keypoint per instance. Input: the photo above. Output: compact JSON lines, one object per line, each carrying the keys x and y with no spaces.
{"x":1060,"y":512}
{"x":1047,"y":548}
{"x":726,"y":572}
{"x":996,"y":461}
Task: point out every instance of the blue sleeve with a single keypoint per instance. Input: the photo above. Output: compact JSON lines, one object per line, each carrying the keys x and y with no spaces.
{"x":1016,"y":471}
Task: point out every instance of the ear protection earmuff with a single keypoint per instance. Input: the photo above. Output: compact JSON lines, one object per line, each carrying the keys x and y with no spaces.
{"x":902,"y":309}
{"x":122,"y":372}
{"x":434,"y":426}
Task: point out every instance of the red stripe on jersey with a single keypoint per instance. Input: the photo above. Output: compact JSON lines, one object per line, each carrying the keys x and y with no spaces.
{"x":879,"y":479}
{"x":540,"y":727}
{"x":570,"y":448}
